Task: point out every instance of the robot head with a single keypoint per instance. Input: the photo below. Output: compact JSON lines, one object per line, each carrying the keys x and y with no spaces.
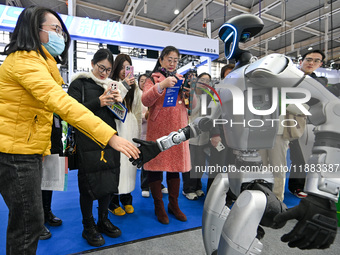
{"x":239,"y":29}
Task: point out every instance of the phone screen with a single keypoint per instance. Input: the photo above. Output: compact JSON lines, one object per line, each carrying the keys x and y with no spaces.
{"x":129,"y":71}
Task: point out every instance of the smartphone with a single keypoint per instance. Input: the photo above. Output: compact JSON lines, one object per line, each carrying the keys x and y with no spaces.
{"x":129,"y":71}
{"x":220,"y":146}
{"x":113,"y":86}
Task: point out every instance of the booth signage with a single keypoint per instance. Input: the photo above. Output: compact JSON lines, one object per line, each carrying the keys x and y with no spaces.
{"x":115,"y":33}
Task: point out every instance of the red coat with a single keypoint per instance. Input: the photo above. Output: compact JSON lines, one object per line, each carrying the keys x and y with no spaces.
{"x":161,"y":122}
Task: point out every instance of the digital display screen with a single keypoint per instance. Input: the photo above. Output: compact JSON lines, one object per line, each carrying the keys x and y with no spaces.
{"x":245,"y":37}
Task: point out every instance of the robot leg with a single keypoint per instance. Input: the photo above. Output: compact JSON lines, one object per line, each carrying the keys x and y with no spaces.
{"x":215,"y":212}
{"x":240,"y":229}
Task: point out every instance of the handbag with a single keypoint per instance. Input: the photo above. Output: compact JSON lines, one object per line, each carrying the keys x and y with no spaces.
{"x":54,"y":173}
{"x":71,"y":143}
{"x":291,"y":132}
{"x":71,"y":148}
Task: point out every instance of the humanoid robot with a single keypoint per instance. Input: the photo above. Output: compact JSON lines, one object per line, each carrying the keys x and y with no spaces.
{"x":237,"y":230}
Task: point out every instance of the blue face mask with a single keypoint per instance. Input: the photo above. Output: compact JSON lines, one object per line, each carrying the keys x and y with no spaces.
{"x":55,"y":45}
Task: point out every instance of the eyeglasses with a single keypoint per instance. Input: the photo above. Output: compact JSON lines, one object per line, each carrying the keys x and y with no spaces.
{"x":172,"y":60}
{"x":103,"y":69}
{"x":59,"y":31}
{"x":205,"y":81}
{"x":316,"y":60}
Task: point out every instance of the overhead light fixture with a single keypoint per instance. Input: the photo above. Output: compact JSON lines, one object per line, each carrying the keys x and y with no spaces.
{"x":176,"y":9}
{"x":273,"y":38}
{"x":145,"y":6}
{"x":310,"y":48}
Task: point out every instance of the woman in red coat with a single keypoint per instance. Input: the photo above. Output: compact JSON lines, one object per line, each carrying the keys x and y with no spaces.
{"x":161,"y":122}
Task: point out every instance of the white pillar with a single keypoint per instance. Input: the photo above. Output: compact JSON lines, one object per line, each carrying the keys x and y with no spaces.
{"x":71,"y":11}
{"x":209,"y":65}
{"x":209,"y":29}
{"x":292,"y":39}
{"x":326,"y":38}
{"x":208,"y":24}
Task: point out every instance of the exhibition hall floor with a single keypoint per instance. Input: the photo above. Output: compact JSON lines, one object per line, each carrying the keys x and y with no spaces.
{"x":141,"y":232}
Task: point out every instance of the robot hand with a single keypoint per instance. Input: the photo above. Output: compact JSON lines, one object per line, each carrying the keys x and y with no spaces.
{"x":317,"y":223}
{"x":148,"y":149}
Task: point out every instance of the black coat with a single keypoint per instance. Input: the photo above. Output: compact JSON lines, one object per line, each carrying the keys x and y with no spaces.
{"x":56,"y":136}
{"x":98,"y":172}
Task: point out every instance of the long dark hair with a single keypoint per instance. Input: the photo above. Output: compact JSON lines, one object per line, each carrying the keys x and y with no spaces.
{"x":25,"y":36}
{"x":102,"y":54}
{"x":117,"y":67}
{"x":166,"y":51}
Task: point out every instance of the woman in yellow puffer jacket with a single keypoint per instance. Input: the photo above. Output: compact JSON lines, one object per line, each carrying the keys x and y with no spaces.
{"x":30,"y":91}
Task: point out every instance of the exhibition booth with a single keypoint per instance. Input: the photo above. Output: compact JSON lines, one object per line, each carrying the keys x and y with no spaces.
{"x":116,"y":34}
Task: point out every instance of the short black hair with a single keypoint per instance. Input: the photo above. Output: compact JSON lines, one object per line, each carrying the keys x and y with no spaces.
{"x":314,"y":51}
{"x":25,"y":36}
{"x":204,"y":74}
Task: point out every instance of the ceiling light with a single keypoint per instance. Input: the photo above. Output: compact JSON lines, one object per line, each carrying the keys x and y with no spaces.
{"x":176,"y":11}
{"x":273,"y":38}
{"x":310,"y":48}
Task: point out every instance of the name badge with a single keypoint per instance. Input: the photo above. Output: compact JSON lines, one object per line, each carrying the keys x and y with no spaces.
{"x":119,"y":110}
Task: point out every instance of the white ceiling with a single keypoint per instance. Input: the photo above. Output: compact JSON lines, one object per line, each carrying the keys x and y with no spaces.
{"x":297,"y":24}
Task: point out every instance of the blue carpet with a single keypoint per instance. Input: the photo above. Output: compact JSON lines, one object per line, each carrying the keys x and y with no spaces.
{"x":67,"y":238}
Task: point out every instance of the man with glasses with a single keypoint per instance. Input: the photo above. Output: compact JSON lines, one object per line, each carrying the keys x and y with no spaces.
{"x":309,"y":62}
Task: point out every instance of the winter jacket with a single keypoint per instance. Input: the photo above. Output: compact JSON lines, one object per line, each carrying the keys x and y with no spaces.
{"x":30,"y":91}
{"x":131,"y":128}
{"x":161,"y":122}
{"x":98,"y":172}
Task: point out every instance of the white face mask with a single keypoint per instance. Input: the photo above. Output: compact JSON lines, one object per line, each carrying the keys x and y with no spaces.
{"x":55,"y":45}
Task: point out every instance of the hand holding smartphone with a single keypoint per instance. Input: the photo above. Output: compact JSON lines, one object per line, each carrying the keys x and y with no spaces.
{"x":220,"y":146}
{"x":112,"y":87}
{"x":129,"y":72}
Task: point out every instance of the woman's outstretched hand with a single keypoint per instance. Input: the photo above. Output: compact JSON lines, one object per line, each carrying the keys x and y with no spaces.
{"x":122,"y":145}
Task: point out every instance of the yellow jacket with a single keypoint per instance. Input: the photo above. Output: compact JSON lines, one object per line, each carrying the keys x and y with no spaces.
{"x":30,"y":91}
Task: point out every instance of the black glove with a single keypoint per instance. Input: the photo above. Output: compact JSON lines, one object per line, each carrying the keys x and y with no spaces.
{"x":148,"y":151}
{"x":317,"y":223}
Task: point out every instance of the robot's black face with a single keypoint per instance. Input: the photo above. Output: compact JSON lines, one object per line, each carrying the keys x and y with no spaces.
{"x":239,"y":29}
